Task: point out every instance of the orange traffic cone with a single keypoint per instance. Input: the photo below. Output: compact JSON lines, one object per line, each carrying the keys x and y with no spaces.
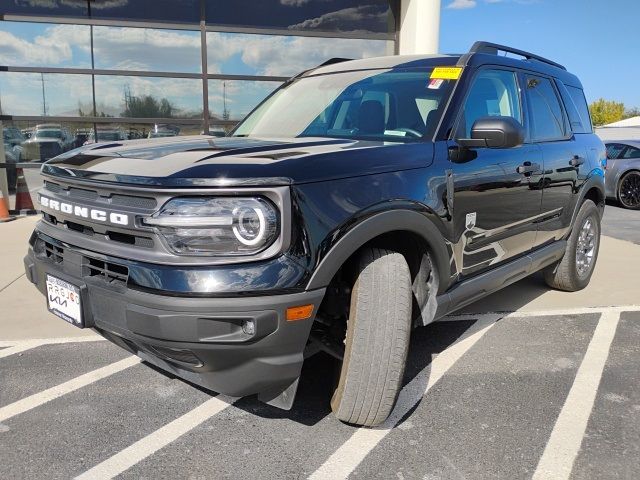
{"x":24,"y":205}
{"x":4,"y":210}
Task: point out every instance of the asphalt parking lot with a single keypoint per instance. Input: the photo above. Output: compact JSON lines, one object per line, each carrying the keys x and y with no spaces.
{"x":491,"y":396}
{"x":546,"y":388}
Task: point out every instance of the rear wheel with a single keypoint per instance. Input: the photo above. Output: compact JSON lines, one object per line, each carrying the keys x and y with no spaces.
{"x":377,"y":339}
{"x":574,"y":271}
{"x":629,"y":190}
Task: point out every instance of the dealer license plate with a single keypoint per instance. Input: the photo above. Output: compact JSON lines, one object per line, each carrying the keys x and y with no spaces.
{"x":63,"y":300}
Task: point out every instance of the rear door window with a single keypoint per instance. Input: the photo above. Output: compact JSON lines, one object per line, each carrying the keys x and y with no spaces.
{"x":614,"y":150}
{"x":546,"y":117}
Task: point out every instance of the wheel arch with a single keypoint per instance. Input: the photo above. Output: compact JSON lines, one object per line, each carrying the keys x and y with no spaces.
{"x":385,"y":225}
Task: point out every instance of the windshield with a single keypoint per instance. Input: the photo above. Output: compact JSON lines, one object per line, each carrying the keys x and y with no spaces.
{"x":48,"y":134}
{"x":389,"y":105}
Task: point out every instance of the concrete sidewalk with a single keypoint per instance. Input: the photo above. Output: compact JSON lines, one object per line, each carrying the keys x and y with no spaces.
{"x":615,"y":282}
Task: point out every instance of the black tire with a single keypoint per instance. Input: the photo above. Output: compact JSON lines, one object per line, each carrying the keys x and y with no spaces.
{"x":570,"y":274}
{"x":378,"y":332}
{"x":629,"y":190}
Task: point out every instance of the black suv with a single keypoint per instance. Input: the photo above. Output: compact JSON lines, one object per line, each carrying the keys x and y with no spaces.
{"x":359,"y":200}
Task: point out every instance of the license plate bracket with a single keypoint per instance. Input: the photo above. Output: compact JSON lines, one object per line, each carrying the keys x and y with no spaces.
{"x":64,"y":299}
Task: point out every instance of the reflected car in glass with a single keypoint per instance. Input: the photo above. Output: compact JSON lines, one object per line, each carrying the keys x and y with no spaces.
{"x":46,"y":142}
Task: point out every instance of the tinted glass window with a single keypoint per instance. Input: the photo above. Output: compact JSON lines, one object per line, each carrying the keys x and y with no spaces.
{"x":49,"y":94}
{"x":250,"y":54}
{"x":187,"y":11}
{"x":493,"y":93}
{"x":614,"y":150}
{"x":148,"y":97}
{"x":369,"y":16}
{"x":74,"y":8}
{"x":234,"y":99}
{"x":546,"y":117}
{"x":44,"y":45}
{"x":123,"y":48}
{"x":371,"y":104}
{"x":631,"y":152}
{"x":583,"y":109}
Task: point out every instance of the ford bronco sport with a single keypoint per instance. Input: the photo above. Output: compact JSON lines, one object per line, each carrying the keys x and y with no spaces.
{"x":360,"y":199}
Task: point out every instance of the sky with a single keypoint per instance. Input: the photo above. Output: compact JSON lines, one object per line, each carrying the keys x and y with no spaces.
{"x":597,"y":40}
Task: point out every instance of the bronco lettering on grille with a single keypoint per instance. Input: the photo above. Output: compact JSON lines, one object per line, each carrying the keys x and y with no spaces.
{"x":84,"y":212}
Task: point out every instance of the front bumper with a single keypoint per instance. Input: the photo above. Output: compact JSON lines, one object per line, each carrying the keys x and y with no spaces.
{"x":201,"y":340}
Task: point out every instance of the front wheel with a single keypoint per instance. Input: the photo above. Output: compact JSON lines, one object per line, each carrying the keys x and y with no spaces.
{"x":574,"y":271}
{"x":377,"y":341}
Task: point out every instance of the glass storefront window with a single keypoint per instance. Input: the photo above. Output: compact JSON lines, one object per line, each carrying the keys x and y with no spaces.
{"x":344,"y":16}
{"x":249,"y":54}
{"x":184,"y":11}
{"x":148,"y":97}
{"x":59,"y":8}
{"x":124,"y":48}
{"x":232,"y":100}
{"x":46,"y":94}
{"x":44,"y":45}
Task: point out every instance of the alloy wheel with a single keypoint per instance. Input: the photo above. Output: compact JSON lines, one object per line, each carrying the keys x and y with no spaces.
{"x":586,"y":247}
{"x":629,"y":193}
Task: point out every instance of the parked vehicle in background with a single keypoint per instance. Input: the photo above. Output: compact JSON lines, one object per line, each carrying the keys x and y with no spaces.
{"x":81,"y":137}
{"x":162,"y":130}
{"x":46,"y":142}
{"x":110,"y":135}
{"x":360,"y":200}
{"x":27,"y":132}
{"x":623,"y":172}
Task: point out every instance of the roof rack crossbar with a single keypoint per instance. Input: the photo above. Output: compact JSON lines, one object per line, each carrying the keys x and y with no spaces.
{"x":493,"y":48}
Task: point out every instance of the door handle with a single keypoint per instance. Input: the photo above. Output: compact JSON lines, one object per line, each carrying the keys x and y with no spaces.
{"x":576,"y":161}
{"x":528,"y":167}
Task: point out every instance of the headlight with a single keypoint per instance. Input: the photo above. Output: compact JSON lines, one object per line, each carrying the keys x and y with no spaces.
{"x":219,"y":226}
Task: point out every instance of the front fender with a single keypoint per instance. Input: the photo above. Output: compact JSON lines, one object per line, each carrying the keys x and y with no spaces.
{"x":378,"y":224}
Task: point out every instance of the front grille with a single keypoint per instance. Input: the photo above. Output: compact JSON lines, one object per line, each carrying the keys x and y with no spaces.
{"x":53,"y":253}
{"x":109,"y":272}
{"x":115,"y":199}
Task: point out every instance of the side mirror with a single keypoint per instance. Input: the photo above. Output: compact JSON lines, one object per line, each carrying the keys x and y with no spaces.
{"x":494,"y":132}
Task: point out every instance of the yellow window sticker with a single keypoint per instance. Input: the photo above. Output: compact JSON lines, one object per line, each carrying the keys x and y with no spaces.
{"x":446,"y":73}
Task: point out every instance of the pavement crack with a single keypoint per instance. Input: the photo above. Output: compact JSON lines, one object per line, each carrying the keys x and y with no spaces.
{"x":11,"y":282}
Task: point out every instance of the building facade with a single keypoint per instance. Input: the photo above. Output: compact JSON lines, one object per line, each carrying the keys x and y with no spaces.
{"x":136,"y":68}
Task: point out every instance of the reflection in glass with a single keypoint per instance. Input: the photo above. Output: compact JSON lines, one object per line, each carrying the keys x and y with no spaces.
{"x":355,"y":16}
{"x":234,"y":99}
{"x":48,"y":94}
{"x":279,"y":55}
{"x":187,"y":11}
{"x":123,"y":48}
{"x":44,"y":45}
{"x":59,"y":8}
{"x":148,"y":97}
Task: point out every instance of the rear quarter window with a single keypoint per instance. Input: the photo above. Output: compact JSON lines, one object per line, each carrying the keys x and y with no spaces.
{"x":580,"y":102}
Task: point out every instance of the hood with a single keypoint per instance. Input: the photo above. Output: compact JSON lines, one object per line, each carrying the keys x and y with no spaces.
{"x":234,"y":161}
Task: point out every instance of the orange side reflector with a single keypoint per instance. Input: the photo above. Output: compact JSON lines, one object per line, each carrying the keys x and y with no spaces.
{"x":299,"y":313}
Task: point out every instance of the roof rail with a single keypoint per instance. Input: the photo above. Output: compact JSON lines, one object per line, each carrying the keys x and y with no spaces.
{"x":333,"y":60}
{"x":494,"y":48}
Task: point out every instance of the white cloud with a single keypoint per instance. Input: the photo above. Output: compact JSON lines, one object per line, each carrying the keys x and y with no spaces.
{"x":462,"y":4}
{"x":348,"y":19}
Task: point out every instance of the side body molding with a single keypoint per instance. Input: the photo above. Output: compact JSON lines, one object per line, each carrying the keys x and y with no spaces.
{"x":378,"y":224}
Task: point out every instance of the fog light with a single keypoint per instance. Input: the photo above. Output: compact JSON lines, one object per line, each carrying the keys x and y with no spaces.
{"x":248,"y":327}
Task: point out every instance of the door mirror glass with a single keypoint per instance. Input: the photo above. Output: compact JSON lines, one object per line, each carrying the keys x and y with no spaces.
{"x":495,"y":132}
